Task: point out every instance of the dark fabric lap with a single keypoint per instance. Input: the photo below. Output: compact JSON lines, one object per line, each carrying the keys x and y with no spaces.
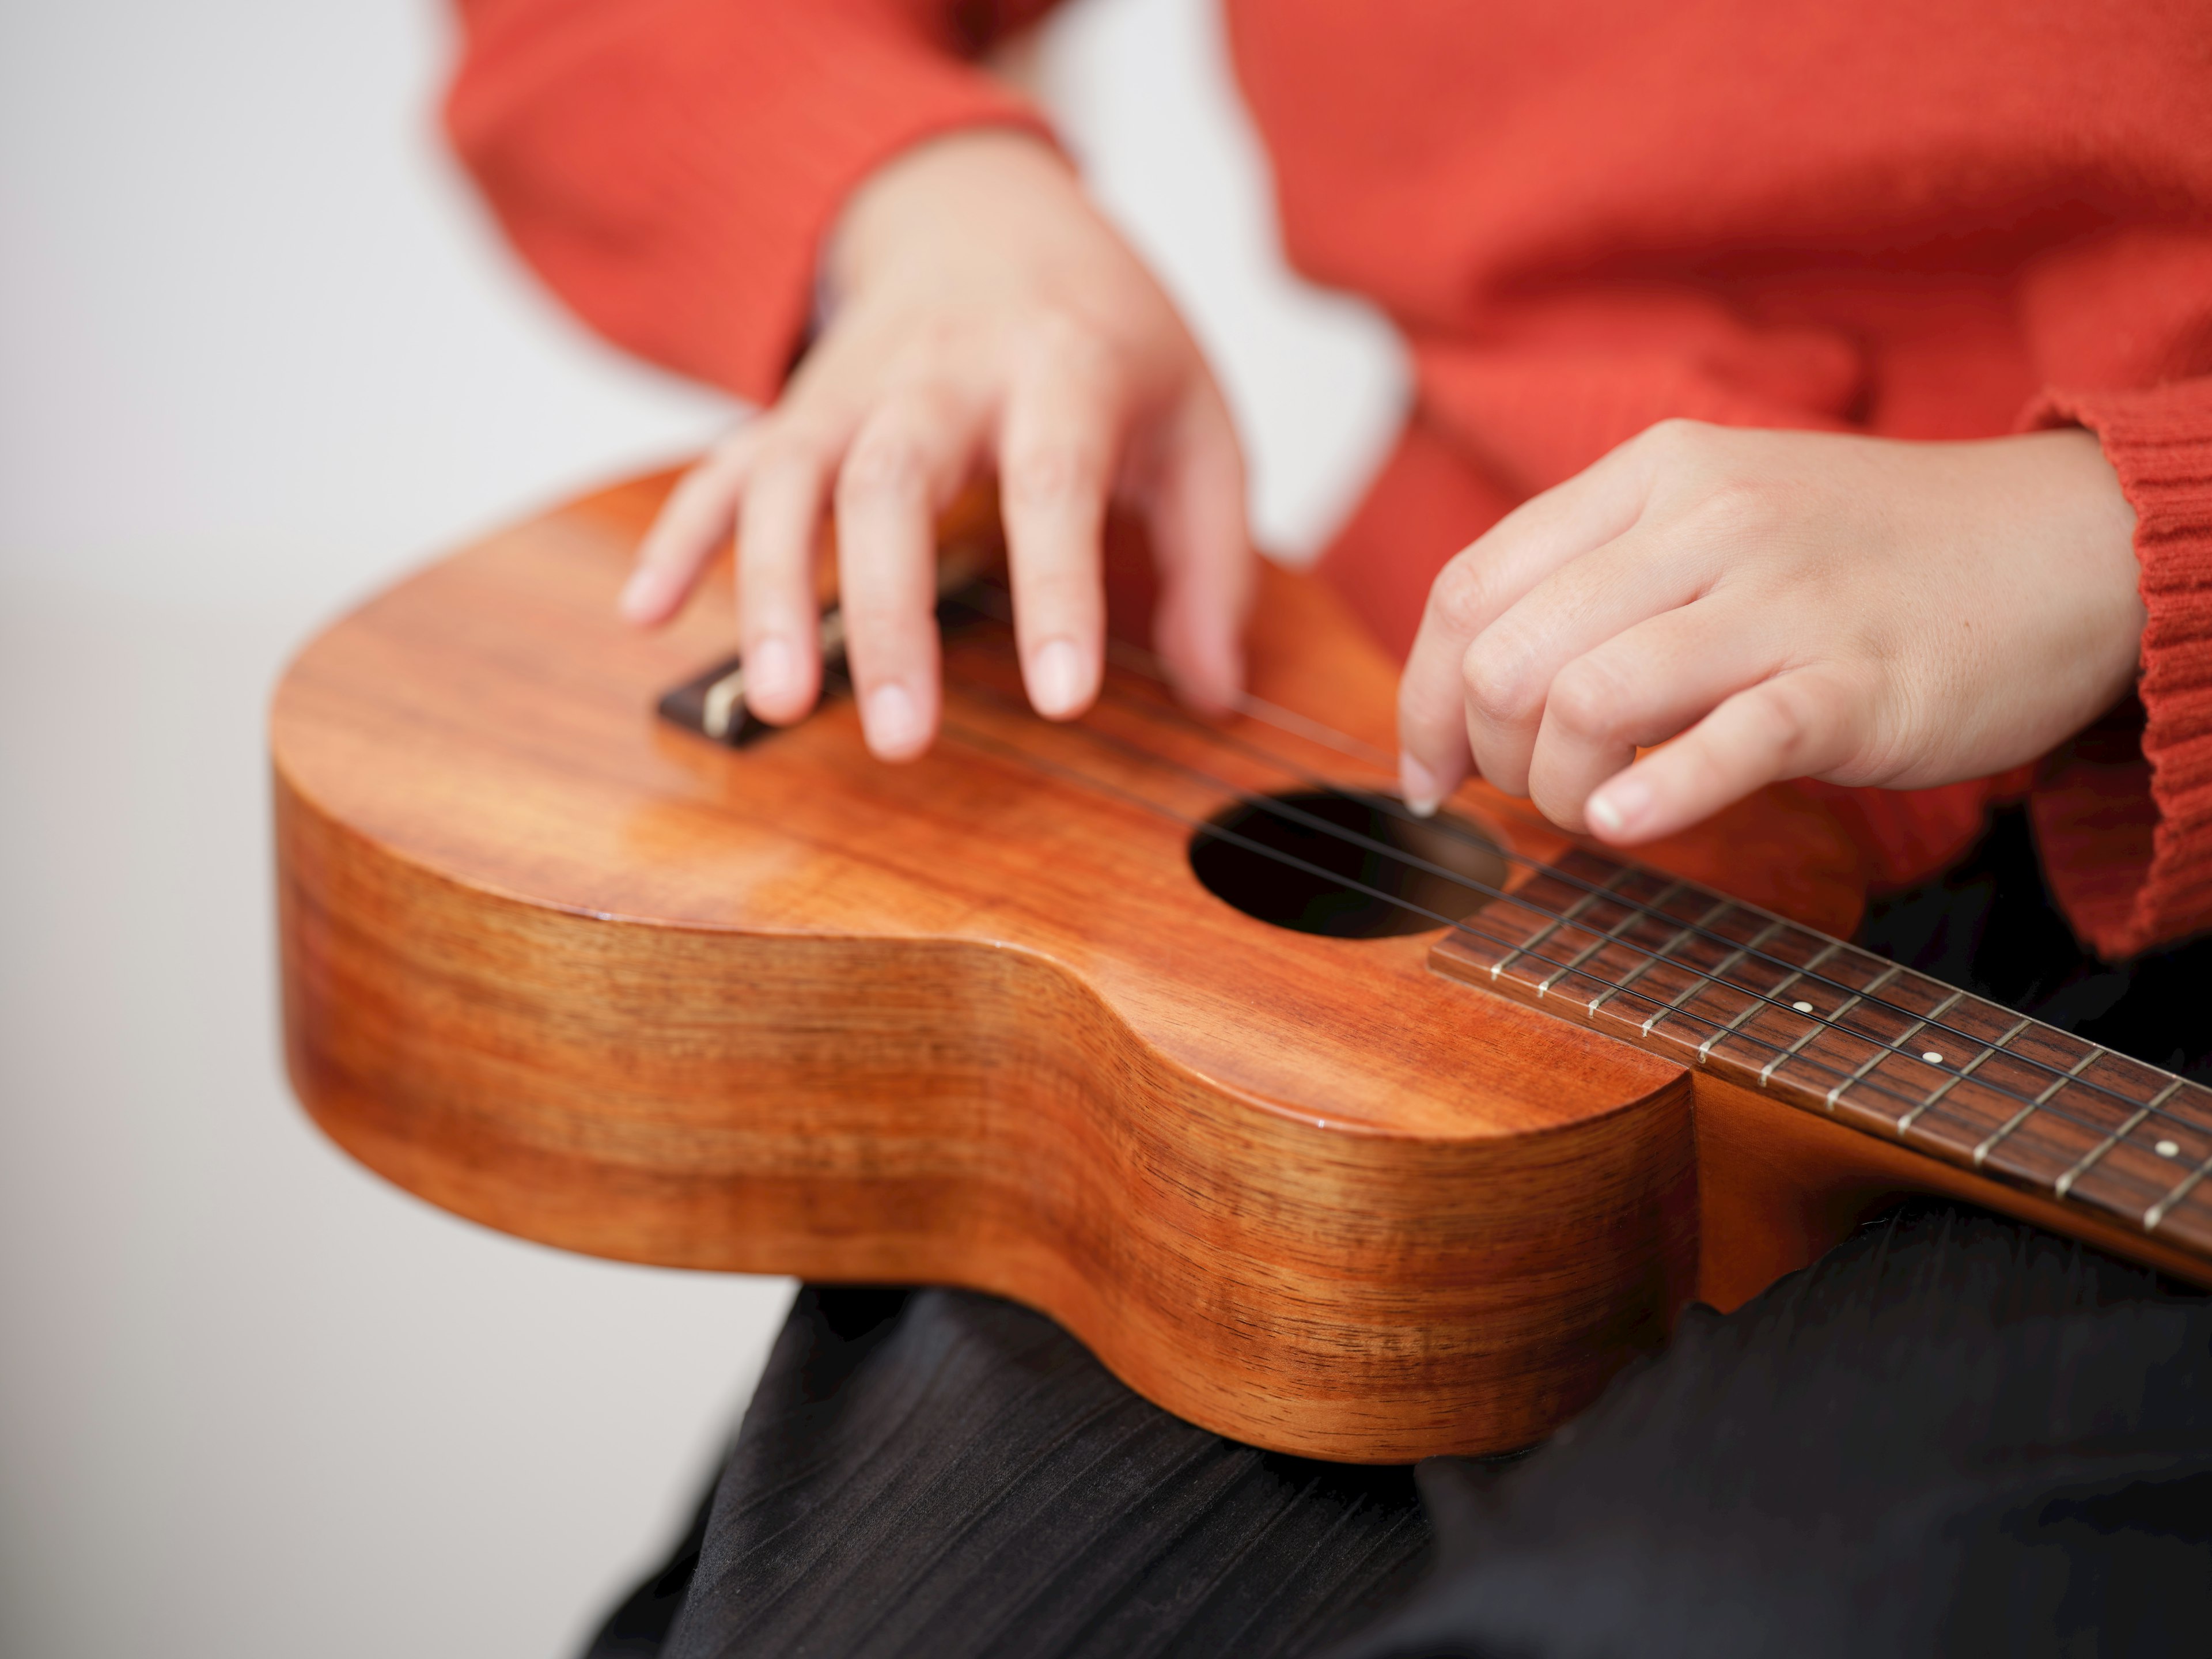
{"x":1954,"y":1434}
{"x":942,"y":1473}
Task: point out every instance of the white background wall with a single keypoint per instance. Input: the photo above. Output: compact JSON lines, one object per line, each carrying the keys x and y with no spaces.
{"x":259,"y":352}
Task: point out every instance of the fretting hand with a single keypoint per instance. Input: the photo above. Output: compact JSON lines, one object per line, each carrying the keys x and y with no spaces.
{"x":982,"y":318}
{"x":1780,"y":605}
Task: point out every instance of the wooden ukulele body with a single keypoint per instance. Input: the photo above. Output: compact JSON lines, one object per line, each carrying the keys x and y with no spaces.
{"x":558,"y":967}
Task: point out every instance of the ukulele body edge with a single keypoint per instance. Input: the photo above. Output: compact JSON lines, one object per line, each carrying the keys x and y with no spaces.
{"x":556,"y":966}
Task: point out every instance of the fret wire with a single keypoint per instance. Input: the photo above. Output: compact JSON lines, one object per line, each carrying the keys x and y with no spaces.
{"x":1811,"y":962}
{"x":1562,"y":920}
{"x":2022,"y":1116}
{"x":2159,"y":1210}
{"x":1988,"y":1143}
{"x":2115,"y":1137}
{"x":1819,"y":1022}
{"x":1283,"y":810}
{"x":1752,"y":1007}
{"x":1933,"y":1014}
{"x":1653,"y":958}
{"x":1705,"y":1048}
{"x":1704,"y":981}
{"x":1790,"y":1053}
{"x":2065,"y":1181}
{"x":1610,"y":936}
{"x":2075,"y":1071}
{"x":1880,"y":1054}
{"x":1831,"y":1022}
{"x":1988,"y":1051}
{"x":1297,"y":726}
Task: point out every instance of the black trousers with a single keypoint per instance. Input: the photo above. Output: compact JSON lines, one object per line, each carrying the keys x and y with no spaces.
{"x":1954,"y":1434}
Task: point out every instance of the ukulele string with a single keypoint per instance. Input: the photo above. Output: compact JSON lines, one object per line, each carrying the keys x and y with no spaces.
{"x":1391,"y":807}
{"x":1147,"y":665}
{"x":1339,"y":832}
{"x":991,"y":694}
{"x":1168,"y":715}
{"x":997,"y":747}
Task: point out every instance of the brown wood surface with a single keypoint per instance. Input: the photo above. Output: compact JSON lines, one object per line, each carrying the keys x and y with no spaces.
{"x":558,"y":967}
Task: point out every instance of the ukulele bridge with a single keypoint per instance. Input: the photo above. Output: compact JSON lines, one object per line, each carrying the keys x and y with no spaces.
{"x":711,"y":704}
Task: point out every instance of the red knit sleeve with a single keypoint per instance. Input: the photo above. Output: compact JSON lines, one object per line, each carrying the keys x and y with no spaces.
{"x":670,"y":167}
{"x":2124,"y":812}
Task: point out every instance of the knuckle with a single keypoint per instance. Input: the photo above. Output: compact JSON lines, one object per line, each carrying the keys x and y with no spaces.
{"x":1460,"y":599}
{"x":1791,"y":715}
{"x":730,"y":449}
{"x":1703,"y":774}
{"x":1676,"y":437}
{"x":886,"y":620}
{"x":1495,"y":687}
{"x":793,"y":445}
{"x":1047,"y":476}
{"x":881,"y":465}
{"x":1733,"y":509}
{"x":1068,"y":342}
{"x":932,"y":341}
{"x":1588,"y":699}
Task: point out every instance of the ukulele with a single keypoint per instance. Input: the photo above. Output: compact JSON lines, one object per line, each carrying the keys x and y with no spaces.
{"x":1332,"y":1129}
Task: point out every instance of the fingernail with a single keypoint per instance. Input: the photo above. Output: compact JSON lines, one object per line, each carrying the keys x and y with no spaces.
{"x":770,"y":670}
{"x":894,"y":724}
{"x":640,"y":593}
{"x":1056,"y":677}
{"x":1619,"y":806}
{"x":1418,"y":785}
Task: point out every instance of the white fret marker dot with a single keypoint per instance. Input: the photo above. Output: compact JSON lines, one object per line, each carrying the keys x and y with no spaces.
{"x":2169,"y":1149}
{"x":1931,"y":1057}
{"x":1803,"y":1008}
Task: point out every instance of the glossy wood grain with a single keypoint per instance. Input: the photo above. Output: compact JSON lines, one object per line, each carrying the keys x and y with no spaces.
{"x":562,"y":968}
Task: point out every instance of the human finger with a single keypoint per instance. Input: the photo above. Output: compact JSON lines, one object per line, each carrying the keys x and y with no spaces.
{"x":1195,"y":509}
{"x":1474,"y":589}
{"x":1800,"y":723}
{"x":779,"y":528}
{"x":1510,"y":671}
{"x":1640,"y":687}
{"x":907,"y":460}
{"x":697,"y":517}
{"x":1056,"y":448}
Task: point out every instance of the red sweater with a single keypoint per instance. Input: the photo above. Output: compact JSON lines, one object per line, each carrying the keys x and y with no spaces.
{"x":1919,"y":218}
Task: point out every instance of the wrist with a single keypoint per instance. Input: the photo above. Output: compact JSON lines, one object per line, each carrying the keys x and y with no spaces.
{"x":2104,"y":533}
{"x":922,"y":195}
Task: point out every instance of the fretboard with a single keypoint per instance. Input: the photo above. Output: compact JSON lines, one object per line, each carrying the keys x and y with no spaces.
{"x":1835,"y":1029}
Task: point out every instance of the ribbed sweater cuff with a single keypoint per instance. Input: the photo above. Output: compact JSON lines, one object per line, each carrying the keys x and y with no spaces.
{"x":671,"y":166}
{"x":2126,"y":822}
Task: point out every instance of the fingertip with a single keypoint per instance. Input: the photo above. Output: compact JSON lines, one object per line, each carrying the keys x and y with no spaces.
{"x":778,"y":681}
{"x":1621,"y":807}
{"x":645,"y":599}
{"x":1062,"y":684}
{"x":1423,"y":792}
{"x":892,"y":721}
{"x":1211,"y":679}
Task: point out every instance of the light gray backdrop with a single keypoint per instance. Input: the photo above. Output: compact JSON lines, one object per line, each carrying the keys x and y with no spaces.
{"x":259,"y":352}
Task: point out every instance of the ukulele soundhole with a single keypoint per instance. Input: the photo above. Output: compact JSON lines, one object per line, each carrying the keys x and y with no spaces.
{"x":1343,"y":864}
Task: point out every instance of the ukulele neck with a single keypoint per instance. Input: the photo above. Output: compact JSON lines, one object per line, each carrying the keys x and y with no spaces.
{"x":1825,"y":1027}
